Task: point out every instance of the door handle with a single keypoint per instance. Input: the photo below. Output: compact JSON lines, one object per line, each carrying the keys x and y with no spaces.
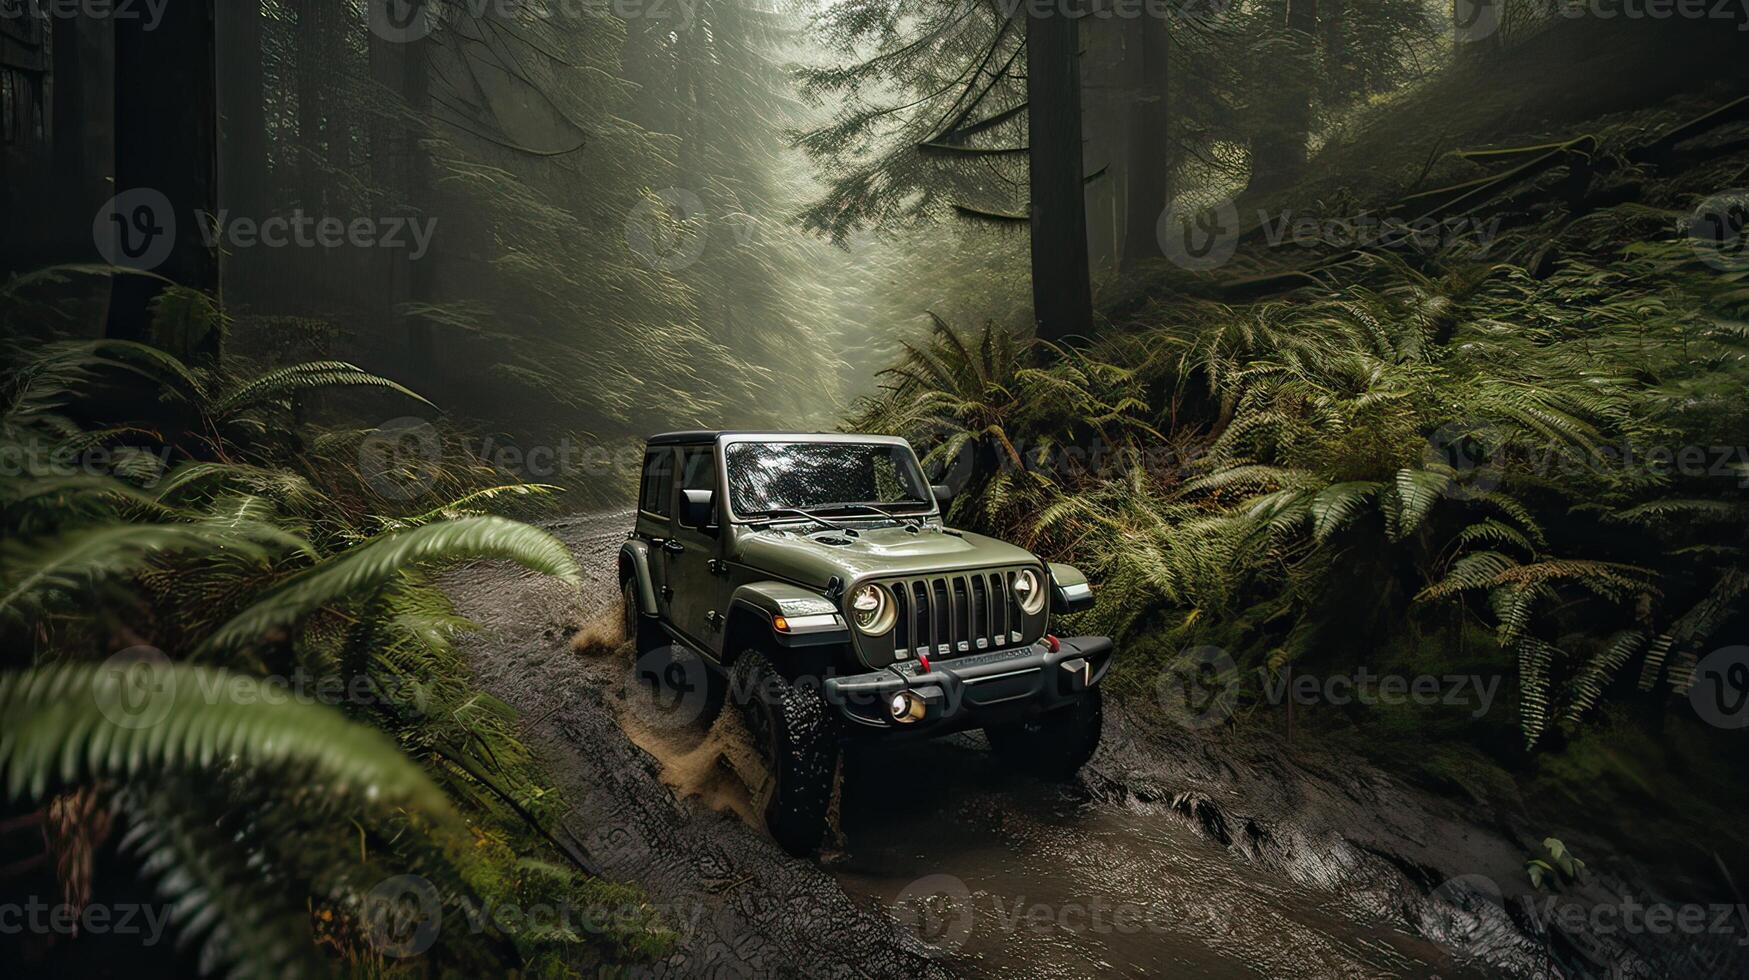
{"x":673,"y":547}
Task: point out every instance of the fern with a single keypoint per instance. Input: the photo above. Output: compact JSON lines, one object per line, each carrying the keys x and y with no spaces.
{"x":287,"y":381}
{"x":1587,"y":686}
{"x":1335,"y":506}
{"x":376,"y":562}
{"x":70,"y":562}
{"x":74,"y":725}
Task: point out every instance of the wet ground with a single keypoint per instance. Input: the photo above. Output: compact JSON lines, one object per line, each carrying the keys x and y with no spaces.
{"x":1175,"y":855}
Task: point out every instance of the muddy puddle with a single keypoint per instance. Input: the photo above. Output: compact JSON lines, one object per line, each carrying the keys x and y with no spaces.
{"x":999,"y":875}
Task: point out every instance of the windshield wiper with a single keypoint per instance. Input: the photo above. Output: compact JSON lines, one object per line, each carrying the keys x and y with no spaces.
{"x":905,"y":519}
{"x":770,"y":515}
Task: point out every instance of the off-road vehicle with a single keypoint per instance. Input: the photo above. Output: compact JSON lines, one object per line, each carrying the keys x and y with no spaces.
{"x":813,"y":578}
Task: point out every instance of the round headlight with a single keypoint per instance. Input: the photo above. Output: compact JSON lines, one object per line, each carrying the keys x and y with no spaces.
{"x":1029,"y":592}
{"x":872,"y":609}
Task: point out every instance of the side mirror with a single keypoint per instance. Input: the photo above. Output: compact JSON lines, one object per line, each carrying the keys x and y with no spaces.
{"x":943,"y":495}
{"x":697,"y":507}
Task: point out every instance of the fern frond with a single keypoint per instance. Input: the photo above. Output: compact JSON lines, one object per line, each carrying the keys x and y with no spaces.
{"x":370,"y":565}
{"x":282,"y":382}
{"x":74,"y":725}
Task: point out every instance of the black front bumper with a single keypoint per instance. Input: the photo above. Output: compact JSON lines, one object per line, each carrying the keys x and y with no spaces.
{"x":970,"y":692}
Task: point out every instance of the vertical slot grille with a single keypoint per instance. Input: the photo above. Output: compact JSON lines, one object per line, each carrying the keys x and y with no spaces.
{"x":949,"y":615}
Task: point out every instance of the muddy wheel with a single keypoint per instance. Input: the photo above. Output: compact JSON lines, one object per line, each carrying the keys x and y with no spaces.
{"x":643,"y":634}
{"x":1056,"y":745}
{"x":792,"y":728}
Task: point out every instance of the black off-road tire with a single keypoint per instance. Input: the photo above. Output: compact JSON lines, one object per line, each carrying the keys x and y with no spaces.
{"x":792,"y":727}
{"x":1053,"y":746}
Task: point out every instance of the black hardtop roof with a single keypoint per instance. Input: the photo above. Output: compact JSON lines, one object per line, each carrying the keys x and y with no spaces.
{"x":693,"y":437}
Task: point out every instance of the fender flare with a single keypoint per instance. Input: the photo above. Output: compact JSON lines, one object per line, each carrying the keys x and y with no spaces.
{"x":806,"y":608}
{"x":634,"y":556}
{"x":1070,"y":590}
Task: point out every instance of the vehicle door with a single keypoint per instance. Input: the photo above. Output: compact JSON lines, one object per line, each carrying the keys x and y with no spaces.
{"x":693,"y":554}
{"x":655,"y":516}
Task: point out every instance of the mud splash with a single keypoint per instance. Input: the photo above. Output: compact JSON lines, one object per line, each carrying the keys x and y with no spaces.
{"x":715,"y":765}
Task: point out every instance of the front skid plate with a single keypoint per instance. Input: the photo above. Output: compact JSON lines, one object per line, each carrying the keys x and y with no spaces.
{"x":956,"y":692}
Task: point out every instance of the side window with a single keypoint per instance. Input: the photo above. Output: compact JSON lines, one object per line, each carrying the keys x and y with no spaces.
{"x":698,"y":470}
{"x":658,"y":484}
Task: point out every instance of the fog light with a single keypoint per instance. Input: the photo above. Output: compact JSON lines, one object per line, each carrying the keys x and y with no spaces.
{"x":906,"y":708}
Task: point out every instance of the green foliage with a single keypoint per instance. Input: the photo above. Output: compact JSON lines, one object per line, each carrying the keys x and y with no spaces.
{"x":74,"y":725}
{"x":369,"y":565}
{"x":1296,"y":479}
{"x":1557,"y":865}
{"x":227,"y":529}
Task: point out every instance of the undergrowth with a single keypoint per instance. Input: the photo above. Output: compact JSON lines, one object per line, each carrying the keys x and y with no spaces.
{"x":224,"y":641}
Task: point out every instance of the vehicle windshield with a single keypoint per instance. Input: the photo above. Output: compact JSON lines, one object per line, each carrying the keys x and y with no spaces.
{"x":766,"y":478}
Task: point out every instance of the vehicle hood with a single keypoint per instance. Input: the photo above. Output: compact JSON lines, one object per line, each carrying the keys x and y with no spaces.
{"x":874,"y":552}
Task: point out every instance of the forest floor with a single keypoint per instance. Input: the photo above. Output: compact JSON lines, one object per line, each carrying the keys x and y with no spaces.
{"x":1233,"y":854}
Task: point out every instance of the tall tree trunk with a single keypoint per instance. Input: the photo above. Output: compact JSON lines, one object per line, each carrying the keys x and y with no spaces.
{"x":401,"y":171}
{"x":1278,"y":153}
{"x":1342,"y":82}
{"x":166,"y":141}
{"x":311,"y":50}
{"x":242,"y":129}
{"x":1149,"y":147}
{"x":243,"y":143}
{"x":1062,"y":290}
{"x":421,"y":274}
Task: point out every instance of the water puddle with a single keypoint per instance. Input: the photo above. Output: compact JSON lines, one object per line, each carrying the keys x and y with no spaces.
{"x":1009,"y":877}
{"x":1014,"y":878}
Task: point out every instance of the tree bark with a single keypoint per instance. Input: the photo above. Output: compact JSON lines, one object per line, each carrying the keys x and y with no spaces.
{"x":166,"y":140}
{"x":243,"y":146}
{"x":1278,"y":153}
{"x":241,"y":83}
{"x":1149,"y":142}
{"x":1062,"y":290}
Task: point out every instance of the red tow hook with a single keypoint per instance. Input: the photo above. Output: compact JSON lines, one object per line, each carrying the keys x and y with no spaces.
{"x":923,"y":662}
{"x":1053,"y":643}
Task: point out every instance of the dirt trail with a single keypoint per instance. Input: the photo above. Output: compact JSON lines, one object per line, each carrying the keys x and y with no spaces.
{"x":1232,"y":857}
{"x":744,"y":908}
